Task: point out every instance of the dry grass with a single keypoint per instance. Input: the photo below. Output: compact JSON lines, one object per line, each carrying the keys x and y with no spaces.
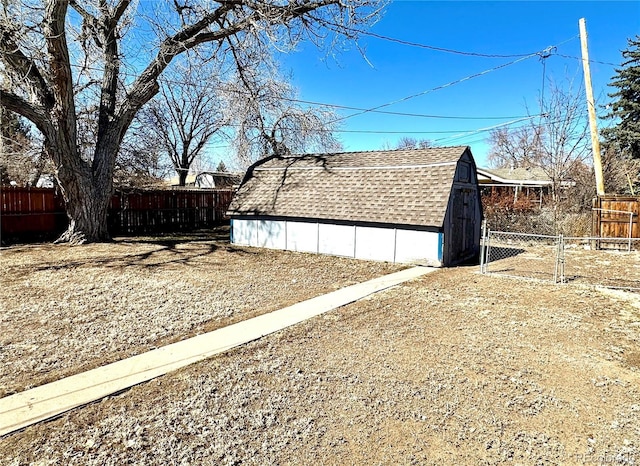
{"x":453,"y":368}
{"x":70,"y":309}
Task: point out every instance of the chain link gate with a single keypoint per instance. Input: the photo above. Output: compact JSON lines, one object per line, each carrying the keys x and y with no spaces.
{"x":522,"y":255}
{"x":560,"y":259}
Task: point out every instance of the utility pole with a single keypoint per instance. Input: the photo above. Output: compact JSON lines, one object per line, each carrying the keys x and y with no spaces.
{"x":595,"y":142}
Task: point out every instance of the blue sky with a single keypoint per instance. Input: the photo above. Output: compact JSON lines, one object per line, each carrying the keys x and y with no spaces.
{"x":394,"y":71}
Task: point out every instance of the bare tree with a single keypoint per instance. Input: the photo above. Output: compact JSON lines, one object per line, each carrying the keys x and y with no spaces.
{"x":80,"y":70}
{"x":557,"y":142}
{"x":268,"y":123}
{"x":185,"y":115}
{"x":408,"y":142}
{"x":266,"y":118}
{"x":621,"y":172}
{"x":514,"y":148}
{"x":140,"y":162}
{"x":22,"y":159}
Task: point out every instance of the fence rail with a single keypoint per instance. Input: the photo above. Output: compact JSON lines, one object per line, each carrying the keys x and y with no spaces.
{"x":560,"y":259}
{"x":520,"y":254}
{"x":616,"y":217}
{"x":39,"y":213}
{"x":163,"y":211}
{"x":28,"y":213}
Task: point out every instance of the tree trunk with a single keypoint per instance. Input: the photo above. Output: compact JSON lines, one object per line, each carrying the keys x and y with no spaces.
{"x":87,"y":192}
{"x":182,"y":177}
{"x":87,"y":210}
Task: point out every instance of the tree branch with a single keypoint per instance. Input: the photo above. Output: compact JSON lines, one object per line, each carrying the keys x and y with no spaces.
{"x":146,"y":86}
{"x":89,"y":22}
{"x":33,"y":113}
{"x":24,"y":67}
{"x":120,"y":9}
{"x":59,"y":61}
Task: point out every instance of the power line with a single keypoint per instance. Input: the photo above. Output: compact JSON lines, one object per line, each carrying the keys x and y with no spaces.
{"x":332,"y":105}
{"x":386,"y":112}
{"x":540,"y":53}
{"x":590,"y":60}
{"x":437,"y":88}
{"x":479,"y":54}
{"x":447,"y":50}
{"x":472,"y":133}
{"x":362,"y":109}
{"x":373,"y":131}
{"x":489,"y":128}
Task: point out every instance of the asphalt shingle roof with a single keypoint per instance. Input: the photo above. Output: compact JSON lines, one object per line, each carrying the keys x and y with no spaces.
{"x":519,"y":174}
{"x":409,"y":187}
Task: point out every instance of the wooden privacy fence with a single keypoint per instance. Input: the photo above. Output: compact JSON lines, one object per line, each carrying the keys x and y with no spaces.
{"x":616,"y":217}
{"x":39,"y":213}
{"x":31,"y":213}
{"x":166,"y":211}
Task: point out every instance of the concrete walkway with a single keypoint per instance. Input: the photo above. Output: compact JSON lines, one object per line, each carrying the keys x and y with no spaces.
{"x":23,"y":409}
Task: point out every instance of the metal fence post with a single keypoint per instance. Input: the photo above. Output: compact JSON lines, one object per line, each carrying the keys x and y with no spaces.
{"x":482,"y":244}
{"x":630,"y":229}
{"x":559,"y":269}
{"x":488,"y":250}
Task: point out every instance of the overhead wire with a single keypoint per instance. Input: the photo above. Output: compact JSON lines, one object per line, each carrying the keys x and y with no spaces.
{"x":545,"y":53}
{"x":472,"y":133}
{"x":590,"y":60}
{"x":437,"y":88}
{"x":447,"y":50}
{"x":488,"y":128}
{"x":542,"y":52}
{"x":326,"y":104}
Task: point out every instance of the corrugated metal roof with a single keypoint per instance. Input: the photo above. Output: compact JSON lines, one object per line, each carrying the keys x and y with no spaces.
{"x":409,"y":187}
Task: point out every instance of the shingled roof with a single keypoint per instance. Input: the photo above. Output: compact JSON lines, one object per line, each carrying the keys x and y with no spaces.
{"x":409,"y":187}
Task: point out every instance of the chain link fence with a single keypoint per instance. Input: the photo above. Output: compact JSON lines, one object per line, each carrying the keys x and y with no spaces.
{"x":609,"y":262}
{"x":521,"y":255}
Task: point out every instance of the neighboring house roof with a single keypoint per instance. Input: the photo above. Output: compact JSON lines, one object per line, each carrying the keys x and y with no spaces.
{"x":190,"y":181}
{"x":409,"y":187}
{"x":534,"y":177}
{"x":210,"y":180}
{"x":217,"y":179}
{"x":514,"y":176}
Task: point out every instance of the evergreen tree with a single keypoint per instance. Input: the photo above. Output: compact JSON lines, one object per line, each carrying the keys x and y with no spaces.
{"x":625,"y":134}
{"x":221,"y":167}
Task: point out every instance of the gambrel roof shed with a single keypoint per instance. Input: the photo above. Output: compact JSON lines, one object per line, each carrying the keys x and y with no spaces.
{"x":410,"y":190}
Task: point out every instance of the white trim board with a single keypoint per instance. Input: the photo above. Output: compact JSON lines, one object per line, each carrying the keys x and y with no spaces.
{"x":31,"y":406}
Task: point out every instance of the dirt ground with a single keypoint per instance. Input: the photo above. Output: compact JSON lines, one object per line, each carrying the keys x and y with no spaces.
{"x":452,"y":368}
{"x":579,"y":262}
{"x":69,"y":309}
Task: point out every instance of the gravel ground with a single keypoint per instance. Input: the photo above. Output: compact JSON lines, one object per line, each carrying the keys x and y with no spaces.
{"x":452,"y":368}
{"x":69,"y":309}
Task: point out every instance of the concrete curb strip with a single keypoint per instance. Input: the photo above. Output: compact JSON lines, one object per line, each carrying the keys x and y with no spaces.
{"x":23,"y":409}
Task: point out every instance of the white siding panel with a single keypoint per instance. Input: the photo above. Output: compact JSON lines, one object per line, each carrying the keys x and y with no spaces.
{"x":302,"y":237}
{"x":244,"y":232}
{"x":271,"y":234}
{"x":375,"y":243}
{"x":369,"y":243}
{"x":418,"y":246}
{"x":336,"y":239}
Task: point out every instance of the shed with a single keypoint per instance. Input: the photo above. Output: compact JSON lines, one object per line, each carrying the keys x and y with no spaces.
{"x":417,"y":206}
